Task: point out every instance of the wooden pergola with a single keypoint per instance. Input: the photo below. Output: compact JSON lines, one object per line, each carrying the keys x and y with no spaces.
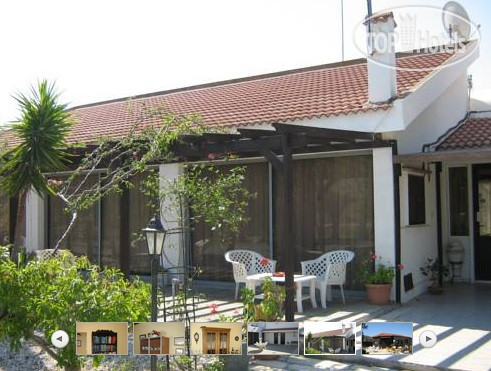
{"x":278,"y":145}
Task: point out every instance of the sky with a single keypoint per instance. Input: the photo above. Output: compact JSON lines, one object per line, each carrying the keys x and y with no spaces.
{"x":100,"y":50}
{"x":399,"y":328}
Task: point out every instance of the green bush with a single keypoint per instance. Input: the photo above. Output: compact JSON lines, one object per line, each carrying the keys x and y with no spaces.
{"x":312,"y":351}
{"x":53,"y":294}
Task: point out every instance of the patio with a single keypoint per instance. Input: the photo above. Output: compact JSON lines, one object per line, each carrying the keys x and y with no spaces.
{"x":459,"y":318}
{"x":219,"y":299}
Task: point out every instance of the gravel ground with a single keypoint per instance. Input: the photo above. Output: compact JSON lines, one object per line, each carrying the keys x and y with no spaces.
{"x":33,"y":357}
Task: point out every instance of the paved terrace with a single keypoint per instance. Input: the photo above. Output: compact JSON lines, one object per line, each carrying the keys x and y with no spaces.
{"x":461,"y":318}
{"x":220,"y":295}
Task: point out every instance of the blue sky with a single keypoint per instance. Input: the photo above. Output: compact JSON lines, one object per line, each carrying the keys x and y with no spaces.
{"x":400,"y":328}
{"x":98,"y":50}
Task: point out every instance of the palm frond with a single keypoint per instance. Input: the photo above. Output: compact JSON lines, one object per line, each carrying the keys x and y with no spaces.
{"x":42,"y":130}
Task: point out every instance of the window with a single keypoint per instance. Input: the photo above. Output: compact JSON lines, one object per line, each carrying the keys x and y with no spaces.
{"x":459,"y":206}
{"x":416,"y":199}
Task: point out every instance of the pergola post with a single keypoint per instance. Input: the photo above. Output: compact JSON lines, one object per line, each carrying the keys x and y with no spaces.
{"x":287,"y":230}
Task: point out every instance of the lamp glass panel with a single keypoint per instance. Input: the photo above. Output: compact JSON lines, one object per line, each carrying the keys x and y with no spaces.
{"x":150,"y":241}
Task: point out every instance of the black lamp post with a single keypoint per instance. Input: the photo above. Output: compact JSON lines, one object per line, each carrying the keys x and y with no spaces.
{"x":155,"y":236}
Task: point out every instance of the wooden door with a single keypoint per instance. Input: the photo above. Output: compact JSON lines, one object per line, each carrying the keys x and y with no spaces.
{"x":155,"y":345}
{"x":144,"y":346}
{"x":164,"y":345}
{"x":216,"y":340}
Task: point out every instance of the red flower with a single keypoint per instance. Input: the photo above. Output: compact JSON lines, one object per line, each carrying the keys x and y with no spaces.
{"x":373,"y":256}
{"x":400,"y":266}
{"x":264,"y":262}
{"x":211,"y":156}
{"x":213,"y":308}
{"x":236,"y":311}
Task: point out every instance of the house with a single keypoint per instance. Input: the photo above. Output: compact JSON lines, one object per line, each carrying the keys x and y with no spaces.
{"x":400,"y":195}
{"x":272,"y":337}
{"x":384,"y":340}
{"x":333,"y":337}
{"x":282,"y":333}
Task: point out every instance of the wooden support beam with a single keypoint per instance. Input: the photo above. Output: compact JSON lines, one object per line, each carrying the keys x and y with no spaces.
{"x":334,"y":134}
{"x":220,"y":137}
{"x":256,"y":133}
{"x":273,"y":143}
{"x":290,"y":258}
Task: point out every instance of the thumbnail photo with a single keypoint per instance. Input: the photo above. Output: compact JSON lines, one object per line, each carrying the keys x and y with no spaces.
{"x":387,"y":338}
{"x":272,"y":338}
{"x":329,"y":337}
{"x":159,"y":338}
{"x":102,"y":338}
{"x":216,"y":338}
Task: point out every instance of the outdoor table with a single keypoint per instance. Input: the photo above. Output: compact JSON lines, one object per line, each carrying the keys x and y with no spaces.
{"x":299,"y":279}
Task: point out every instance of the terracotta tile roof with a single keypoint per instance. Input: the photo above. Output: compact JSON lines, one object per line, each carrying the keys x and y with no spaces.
{"x":322,"y":91}
{"x":388,"y":335}
{"x":474,"y":133}
{"x":338,"y":332}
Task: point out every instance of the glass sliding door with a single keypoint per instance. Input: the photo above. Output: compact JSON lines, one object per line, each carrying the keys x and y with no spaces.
{"x":332,"y":208}
{"x":83,"y":239}
{"x":208,"y":250}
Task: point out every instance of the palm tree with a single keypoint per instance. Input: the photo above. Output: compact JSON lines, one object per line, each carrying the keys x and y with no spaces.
{"x":41,"y":132}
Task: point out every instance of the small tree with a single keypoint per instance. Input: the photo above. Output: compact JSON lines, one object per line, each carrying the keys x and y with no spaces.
{"x":217,"y":198}
{"x":41,"y":131}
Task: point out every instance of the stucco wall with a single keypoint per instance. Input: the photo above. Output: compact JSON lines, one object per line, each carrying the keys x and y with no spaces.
{"x":417,"y":241}
{"x":445,"y":112}
{"x":289,"y":337}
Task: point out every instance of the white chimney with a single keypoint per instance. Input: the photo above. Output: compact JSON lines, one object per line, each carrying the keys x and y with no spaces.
{"x":344,"y":328}
{"x":381,"y":58}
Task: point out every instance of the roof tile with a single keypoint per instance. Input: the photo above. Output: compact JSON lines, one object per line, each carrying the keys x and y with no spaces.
{"x":474,"y":133}
{"x":323,"y":91}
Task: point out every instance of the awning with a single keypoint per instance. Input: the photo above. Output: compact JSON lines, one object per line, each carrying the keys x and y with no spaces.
{"x":467,"y":155}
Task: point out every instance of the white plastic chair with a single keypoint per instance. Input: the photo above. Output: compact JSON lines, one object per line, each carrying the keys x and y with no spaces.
{"x":48,"y":253}
{"x":246,"y":263}
{"x":330,"y":270}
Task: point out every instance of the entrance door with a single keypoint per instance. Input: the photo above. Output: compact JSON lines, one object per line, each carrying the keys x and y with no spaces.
{"x":283,"y":338}
{"x":482,"y":221}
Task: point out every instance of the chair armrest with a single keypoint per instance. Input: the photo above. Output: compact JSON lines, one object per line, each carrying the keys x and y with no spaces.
{"x":240,"y":272}
{"x":304,"y":264}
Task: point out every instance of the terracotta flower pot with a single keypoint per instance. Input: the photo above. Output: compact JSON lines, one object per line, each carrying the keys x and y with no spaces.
{"x":378,"y":294}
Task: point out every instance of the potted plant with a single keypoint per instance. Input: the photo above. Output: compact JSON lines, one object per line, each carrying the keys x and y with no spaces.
{"x":378,"y":278}
{"x":433,"y":269}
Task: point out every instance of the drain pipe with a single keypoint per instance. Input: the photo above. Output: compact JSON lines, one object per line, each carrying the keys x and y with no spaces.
{"x":397,"y":222}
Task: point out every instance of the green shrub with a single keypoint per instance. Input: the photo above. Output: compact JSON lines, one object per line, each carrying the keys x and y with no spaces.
{"x":312,"y":351}
{"x":53,"y":294}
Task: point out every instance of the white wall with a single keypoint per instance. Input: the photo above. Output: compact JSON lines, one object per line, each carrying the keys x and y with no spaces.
{"x":417,"y":241}
{"x":35,"y":219}
{"x":290,"y":336}
{"x":383,"y":206}
{"x":173,"y":253}
{"x":444,"y":113}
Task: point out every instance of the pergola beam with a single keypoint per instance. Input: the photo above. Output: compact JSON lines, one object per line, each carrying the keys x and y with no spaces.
{"x":334,"y":134}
